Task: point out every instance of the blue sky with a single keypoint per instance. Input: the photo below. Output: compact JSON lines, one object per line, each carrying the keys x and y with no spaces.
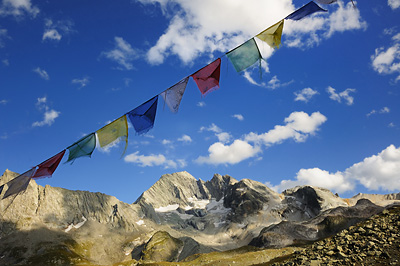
{"x":325,"y":111}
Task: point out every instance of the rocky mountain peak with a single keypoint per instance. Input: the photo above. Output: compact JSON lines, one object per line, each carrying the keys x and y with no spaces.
{"x":306,"y":202}
{"x":7,"y":176}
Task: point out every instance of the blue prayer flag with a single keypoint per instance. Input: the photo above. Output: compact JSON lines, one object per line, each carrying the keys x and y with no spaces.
{"x":142,"y":117}
{"x":305,"y":11}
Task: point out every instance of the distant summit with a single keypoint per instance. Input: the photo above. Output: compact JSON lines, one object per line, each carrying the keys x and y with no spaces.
{"x":185,"y":214}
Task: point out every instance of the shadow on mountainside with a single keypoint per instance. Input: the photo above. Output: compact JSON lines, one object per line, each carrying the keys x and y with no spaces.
{"x":37,"y":246}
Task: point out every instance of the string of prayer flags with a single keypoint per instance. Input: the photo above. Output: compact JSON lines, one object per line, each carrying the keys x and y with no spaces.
{"x":272,"y":36}
{"x":326,"y":2}
{"x":83,"y":147}
{"x":207,"y":78}
{"x":306,"y":10}
{"x":173,"y":96}
{"x":19,"y":184}
{"x":244,"y":55}
{"x":143,"y":116}
{"x":47,"y":168}
{"x":116,"y":130}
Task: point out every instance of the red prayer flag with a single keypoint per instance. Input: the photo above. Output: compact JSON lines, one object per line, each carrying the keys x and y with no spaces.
{"x":47,"y":168}
{"x":207,"y":78}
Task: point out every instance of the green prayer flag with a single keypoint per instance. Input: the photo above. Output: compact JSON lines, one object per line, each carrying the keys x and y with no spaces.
{"x":83,"y":147}
{"x":244,"y":55}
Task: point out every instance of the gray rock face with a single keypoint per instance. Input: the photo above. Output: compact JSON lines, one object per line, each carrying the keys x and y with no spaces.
{"x":247,"y":198}
{"x":307,"y":202}
{"x":325,"y":224}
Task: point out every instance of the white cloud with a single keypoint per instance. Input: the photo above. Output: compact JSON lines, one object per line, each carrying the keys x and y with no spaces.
{"x":18,"y":8}
{"x":247,"y":75}
{"x":53,"y":30}
{"x":388,"y":61}
{"x":394,"y":4}
{"x":4,"y":102}
{"x":51,"y":34}
{"x":378,"y":172}
{"x":305,"y":94}
{"x":298,"y":126}
{"x":49,"y":118}
{"x":345,"y":18}
{"x":201,"y":104}
{"x":384,"y":110}
{"x":345,"y":95}
{"x":41,"y":100}
{"x":166,"y":142}
{"x":185,"y":138}
{"x":42,"y":73}
{"x":213,"y":128}
{"x":234,"y":153}
{"x":312,"y":30}
{"x":275,"y":83}
{"x":123,"y":54}
{"x":153,"y":160}
{"x":238,"y":117}
{"x":83,"y":82}
{"x":320,"y":178}
{"x":391,"y":124}
{"x":49,"y":115}
{"x":223,"y":137}
{"x":5,"y":61}
{"x":256,"y":68}
{"x":196,"y":27}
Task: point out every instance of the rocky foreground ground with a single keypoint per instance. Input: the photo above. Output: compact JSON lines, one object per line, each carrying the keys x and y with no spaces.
{"x":375,"y":241}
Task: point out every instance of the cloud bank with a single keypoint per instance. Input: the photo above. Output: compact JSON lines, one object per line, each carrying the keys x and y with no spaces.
{"x":298,"y":126}
{"x":378,"y":172}
{"x":206,"y":26}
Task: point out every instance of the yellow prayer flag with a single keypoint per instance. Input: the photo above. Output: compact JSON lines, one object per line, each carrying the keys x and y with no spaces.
{"x":272,"y":35}
{"x":113,"y":131}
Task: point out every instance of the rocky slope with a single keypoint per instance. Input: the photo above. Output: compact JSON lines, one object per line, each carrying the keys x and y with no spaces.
{"x":177,"y":217}
{"x":375,"y":241}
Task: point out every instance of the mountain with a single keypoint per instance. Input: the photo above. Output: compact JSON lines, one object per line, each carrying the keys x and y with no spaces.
{"x":176,"y":218}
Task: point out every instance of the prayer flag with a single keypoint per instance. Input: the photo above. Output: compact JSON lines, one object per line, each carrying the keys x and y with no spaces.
{"x":207,"y":78}
{"x":143,"y":116}
{"x":18,"y":184}
{"x":118,"y":129}
{"x":272,"y":35}
{"x":83,"y":147}
{"x":305,"y":11}
{"x":326,"y":2}
{"x":47,"y":168}
{"x":173,"y":96}
{"x":244,"y":55}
